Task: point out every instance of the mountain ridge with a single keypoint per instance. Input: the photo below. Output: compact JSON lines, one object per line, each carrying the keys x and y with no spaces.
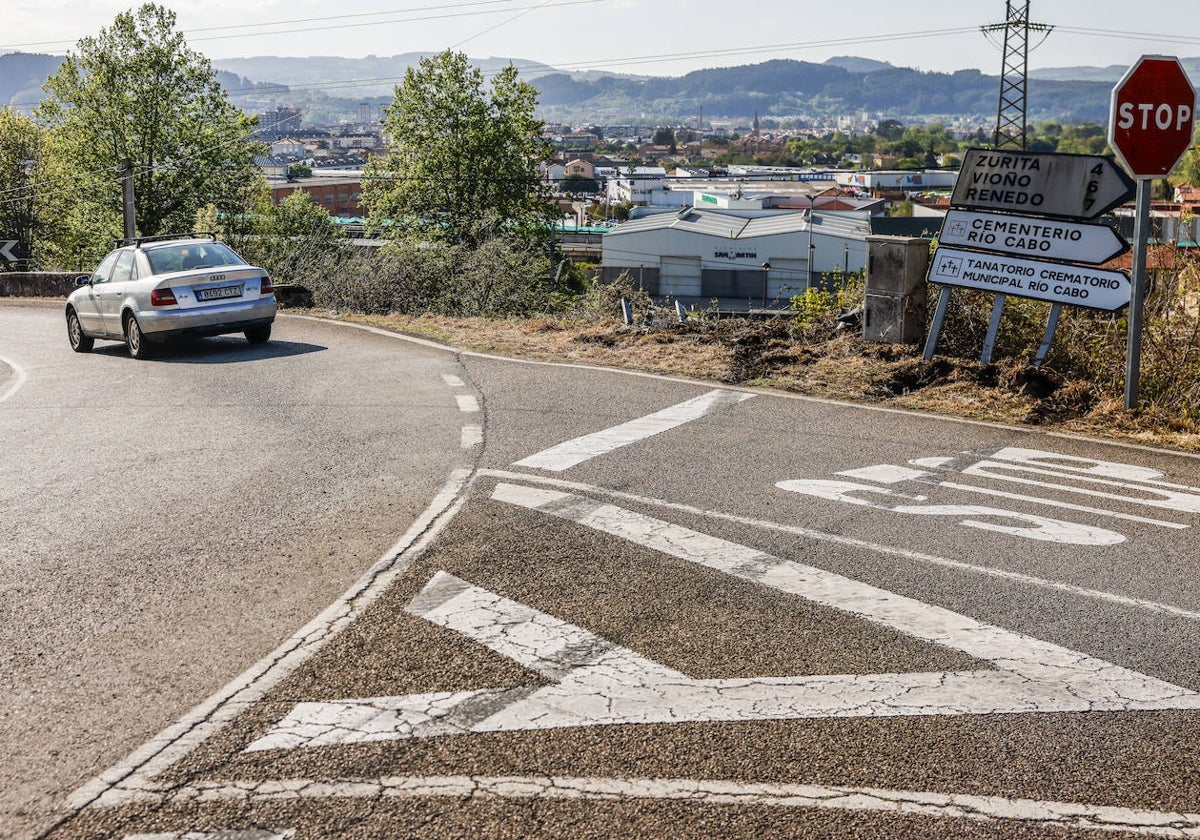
{"x":776,"y":90}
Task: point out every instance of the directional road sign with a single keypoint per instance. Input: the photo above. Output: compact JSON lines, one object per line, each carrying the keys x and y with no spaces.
{"x":1153,"y":111}
{"x":9,"y":250}
{"x":1043,"y":183}
{"x":1025,"y":236}
{"x":1094,"y":288}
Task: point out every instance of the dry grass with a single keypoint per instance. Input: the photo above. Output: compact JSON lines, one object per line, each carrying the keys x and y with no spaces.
{"x":763,"y":354}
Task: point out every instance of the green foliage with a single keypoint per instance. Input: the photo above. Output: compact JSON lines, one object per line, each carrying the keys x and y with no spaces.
{"x":137,"y":92}
{"x":579,"y":184}
{"x":815,"y":312}
{"x":494,"y":278}
{"x":464,"y":167}
{"x":621,"y":210}
{"x":603,"y":300}
{"x":296,"y":241}
{"x":20,"y":153}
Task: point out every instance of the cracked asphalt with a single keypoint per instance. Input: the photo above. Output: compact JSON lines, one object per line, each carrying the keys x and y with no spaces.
{"x":664,"y":639}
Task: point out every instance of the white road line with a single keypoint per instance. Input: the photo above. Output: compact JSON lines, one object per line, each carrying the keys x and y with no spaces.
{"x":137,"y":771}
{"x":1091,"y":680}
{"x":452,"y":380}
{"x":1086,"y":466}
{"x":250,"y":834}
{"x":1153,"y":495}
{"x":19,"y":380}
{"x":891,"y":474}
{"x":472,"y":436}
{"x":1021,"y":431}
{"x":572,"y":452}
{"x":1034,"y":813}
{"x":599,"y":683}
{"x":851,"y":542}
{"x":467,"y":403}
{"x":1041,"y":528}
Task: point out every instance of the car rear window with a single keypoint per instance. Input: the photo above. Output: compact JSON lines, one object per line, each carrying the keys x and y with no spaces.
{"x":167,"y":258}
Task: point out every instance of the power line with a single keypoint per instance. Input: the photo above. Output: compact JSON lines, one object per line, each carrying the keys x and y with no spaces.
{"x":325,"y":27}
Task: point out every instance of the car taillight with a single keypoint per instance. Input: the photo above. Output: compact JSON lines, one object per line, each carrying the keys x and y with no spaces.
{"x":162,"y":297}
{"x":267,"y":288}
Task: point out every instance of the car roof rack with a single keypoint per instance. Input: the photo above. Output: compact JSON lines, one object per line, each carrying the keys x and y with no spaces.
{"x":162,"y":237}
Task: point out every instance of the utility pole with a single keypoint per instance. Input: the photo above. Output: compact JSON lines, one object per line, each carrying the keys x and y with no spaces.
{"x":1014,"y":76}
{"x":127,"y":205}
{"x":1011,"y":122}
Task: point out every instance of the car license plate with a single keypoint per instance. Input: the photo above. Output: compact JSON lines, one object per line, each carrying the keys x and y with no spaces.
{"x":219,"y":293}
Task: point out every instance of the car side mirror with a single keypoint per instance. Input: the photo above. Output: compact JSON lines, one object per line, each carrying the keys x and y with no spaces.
{"x":83,"y":280}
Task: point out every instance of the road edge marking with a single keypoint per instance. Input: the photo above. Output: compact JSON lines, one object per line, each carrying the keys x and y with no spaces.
{"x":910,"y":803}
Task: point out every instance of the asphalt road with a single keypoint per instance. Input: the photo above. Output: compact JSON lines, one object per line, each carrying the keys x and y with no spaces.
{"x":557,"y":601}
{"x":166,"y":524}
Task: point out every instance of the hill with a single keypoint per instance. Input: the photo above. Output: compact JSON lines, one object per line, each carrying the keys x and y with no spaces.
{"x":329,"y":89}
{"x":22,"y":75}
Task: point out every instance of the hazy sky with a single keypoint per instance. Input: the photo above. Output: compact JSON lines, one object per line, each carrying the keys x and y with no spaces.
{"x":653,"y":37}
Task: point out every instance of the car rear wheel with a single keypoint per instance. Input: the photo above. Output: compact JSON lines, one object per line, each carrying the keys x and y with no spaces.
{"x":80,"y":342}
{"x":135,"y":339}
{"x":259,"y":335}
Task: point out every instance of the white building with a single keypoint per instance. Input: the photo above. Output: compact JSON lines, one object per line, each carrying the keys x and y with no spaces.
{"x":695,"y":253}
{"x":644,"y":185}
{"x":898,"y":179}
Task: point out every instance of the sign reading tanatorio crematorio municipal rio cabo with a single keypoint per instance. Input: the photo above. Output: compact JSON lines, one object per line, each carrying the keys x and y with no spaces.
{"x":1094,"y":288}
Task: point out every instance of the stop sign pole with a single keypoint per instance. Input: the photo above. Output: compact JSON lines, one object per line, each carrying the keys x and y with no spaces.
{"x":1149,"y":127}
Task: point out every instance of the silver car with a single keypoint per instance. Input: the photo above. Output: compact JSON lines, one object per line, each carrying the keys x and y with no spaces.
{"x":159,"y":288}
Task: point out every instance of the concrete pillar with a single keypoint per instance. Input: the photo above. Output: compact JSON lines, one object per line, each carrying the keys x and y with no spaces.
{"x":894,"y":309}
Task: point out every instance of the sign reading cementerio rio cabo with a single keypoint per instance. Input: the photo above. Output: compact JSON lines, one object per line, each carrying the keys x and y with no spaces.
{"x":1025,"y":236}
{"x":1093,"y":288}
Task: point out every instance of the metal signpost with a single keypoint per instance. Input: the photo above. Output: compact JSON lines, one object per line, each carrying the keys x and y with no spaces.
{"x":1021,"y":226}
{"x":1150,"y":127}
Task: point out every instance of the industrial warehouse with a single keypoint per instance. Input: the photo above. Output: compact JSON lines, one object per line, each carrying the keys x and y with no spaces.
{"x":704,"y":254}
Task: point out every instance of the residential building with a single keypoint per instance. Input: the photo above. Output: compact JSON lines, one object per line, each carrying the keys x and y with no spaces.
{"x":340,"y":196}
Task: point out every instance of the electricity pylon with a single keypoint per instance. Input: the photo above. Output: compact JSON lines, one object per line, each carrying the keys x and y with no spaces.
{"x":1014,"y":78}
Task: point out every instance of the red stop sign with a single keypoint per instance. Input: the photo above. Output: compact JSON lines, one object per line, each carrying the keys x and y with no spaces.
{"x":1153,"y":110}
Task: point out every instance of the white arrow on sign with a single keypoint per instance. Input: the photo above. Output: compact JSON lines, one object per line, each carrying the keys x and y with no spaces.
{"x":1077,"y":285}
{"x":1024,"y":236}
{"x":8,"y":250}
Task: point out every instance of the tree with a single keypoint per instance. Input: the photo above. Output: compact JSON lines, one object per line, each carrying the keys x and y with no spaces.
{"x":136,"y":92}
{"x":20,"y":147}
{"x":464,"y":165}
{"x":891,"y":130}
{"x":579,"y":184}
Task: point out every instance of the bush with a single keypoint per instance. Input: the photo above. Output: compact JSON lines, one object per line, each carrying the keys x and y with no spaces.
{"x":497,"y":278}
{"x":817,"y":310}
